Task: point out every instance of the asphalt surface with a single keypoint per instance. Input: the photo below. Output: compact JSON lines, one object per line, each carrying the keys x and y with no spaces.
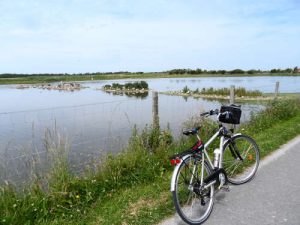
{"x":272,"y":197}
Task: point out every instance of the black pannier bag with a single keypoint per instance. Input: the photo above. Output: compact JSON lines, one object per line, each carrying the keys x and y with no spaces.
{"x":233,"y":116}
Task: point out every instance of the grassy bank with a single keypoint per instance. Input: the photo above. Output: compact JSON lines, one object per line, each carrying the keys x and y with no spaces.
{"x":35,"y":79}
{"x":133,"y":186}
{"x":284,"y":95}
{"x":241,"y":94}
{"x":263,"y":98}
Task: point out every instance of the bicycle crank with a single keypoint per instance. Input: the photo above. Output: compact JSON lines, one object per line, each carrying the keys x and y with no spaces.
{"x":219,"y":175}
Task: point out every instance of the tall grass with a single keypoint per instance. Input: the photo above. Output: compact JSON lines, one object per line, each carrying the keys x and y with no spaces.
{"x":275,"y":112}
{"x":239,"y":91}
{"x":62,"y":195}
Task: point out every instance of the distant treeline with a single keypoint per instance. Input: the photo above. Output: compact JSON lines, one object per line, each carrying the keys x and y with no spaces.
{"x":236,"y":71}
{"x":174,"y":71}
{"x":12,"y":75}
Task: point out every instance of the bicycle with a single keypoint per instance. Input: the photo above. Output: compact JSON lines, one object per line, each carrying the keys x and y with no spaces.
{"x":196,"y":178}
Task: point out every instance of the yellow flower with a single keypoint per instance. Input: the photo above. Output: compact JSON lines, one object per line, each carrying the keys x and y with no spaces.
{"x":77,"y":196}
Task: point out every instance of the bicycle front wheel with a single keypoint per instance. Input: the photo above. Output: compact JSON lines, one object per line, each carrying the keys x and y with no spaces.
{"x":240,"y":159}
{"x":193,"y":203}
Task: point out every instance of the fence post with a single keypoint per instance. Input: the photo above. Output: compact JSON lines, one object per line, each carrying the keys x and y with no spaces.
{"x":276,"y":89}
{"x":232,"y":100}
{"x":155,"y":110}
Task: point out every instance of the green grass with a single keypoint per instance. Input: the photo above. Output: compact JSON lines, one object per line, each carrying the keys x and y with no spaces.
{"x":284,"y":95}
{"x":133,"y":186}
{"x":35,"y":79}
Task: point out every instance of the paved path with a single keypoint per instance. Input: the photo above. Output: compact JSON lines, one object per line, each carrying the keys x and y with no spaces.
{"x":272,"y":197}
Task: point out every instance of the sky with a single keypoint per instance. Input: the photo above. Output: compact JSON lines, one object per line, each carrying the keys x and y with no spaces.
{"x":79,"y":36}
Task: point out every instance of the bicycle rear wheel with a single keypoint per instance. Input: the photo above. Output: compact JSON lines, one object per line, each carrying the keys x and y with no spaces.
{"x":240,"y":159}
{"x":192,"y":203}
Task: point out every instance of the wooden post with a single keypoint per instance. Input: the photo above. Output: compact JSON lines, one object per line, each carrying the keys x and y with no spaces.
{"x":231,"y":101}
{"x":155,"y":110}
{"x":276,"y":89}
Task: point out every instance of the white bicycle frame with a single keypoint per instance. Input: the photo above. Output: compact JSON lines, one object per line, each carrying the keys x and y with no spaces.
{"x":204,"y":154}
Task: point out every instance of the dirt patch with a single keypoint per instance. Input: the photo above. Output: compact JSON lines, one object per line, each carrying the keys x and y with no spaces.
{"x":136,"y":207}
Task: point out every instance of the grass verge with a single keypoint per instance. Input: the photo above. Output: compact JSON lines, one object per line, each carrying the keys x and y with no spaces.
{"x":133,"y":186}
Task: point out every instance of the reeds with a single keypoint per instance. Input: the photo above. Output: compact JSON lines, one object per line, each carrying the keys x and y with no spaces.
{"x":239,"y":91}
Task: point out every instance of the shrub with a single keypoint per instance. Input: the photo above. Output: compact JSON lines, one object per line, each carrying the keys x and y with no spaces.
{"x":128,"y":86}
{"x":107,"y":86}
{"x":185,"y":90}
{"x":117,"y":86}
{"x":144,"y":84}
{"x":137,"y":85}
{"x":134,"y":85}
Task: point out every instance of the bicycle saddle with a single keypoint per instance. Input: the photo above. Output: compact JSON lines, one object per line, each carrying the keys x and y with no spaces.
{"x":191,"y":131}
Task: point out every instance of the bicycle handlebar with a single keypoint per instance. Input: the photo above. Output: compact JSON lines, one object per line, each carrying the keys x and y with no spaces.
{"x":210,"y":112}
{"x":216,"y":112}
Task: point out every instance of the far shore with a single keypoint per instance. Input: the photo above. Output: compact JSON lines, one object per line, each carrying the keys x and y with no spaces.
{"x":39,"y":79}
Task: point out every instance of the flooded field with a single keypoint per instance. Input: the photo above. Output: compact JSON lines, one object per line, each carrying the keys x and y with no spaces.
{"x":91,"y":121}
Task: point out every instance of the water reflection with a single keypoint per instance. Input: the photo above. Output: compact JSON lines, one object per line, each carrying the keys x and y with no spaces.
{"x":142,"y":95}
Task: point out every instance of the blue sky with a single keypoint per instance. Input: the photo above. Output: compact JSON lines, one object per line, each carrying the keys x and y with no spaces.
{"x":74,"y":36}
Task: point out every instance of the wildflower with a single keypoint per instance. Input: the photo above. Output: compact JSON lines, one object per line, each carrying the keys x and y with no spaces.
{"x":77,"y":196}
{"x":14,"y":205}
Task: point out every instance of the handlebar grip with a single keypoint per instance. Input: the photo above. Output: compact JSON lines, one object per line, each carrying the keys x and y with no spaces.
{"x":214,"y":112}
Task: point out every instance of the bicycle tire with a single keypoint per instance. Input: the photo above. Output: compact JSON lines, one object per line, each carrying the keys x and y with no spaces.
{"x":240,"y":159}
{"x":186,"y":201}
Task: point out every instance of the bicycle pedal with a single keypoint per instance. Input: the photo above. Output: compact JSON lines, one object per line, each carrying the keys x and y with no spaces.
{"x":225,"y":188}
{"x":202,"y":202}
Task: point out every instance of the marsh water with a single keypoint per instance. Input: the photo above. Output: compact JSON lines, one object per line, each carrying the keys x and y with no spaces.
{"x":91,"y":121}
